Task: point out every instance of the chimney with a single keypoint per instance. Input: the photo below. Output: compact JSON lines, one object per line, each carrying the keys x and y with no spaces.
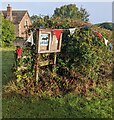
{"x":9,"y":12}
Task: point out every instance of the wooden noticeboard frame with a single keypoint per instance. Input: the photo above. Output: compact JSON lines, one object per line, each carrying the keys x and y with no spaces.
{"x":47,"y":42}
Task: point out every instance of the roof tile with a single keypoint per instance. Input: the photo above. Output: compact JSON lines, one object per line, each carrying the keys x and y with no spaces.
{"x":17,"y":15}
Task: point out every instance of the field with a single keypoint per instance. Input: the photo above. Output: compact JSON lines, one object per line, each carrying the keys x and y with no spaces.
{"x":68,"y":106}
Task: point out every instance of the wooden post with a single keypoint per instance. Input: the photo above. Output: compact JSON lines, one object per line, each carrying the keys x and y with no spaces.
{"x":37,"y":68}
{"x":37,"y":58}
{"x":55,"y":58}
{"x":54,"y":62}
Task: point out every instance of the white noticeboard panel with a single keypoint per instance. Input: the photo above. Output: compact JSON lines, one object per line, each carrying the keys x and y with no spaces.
{"x":47,"y":41}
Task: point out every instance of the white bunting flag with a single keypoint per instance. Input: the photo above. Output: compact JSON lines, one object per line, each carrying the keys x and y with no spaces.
{"x":30,"y":39}
{"x":106,"y":41}
{"x":72,"y":30}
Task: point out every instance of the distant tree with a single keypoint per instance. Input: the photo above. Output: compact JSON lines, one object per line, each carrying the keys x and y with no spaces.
{"x":41,"y":21}
{"x":67,"y":11}
{"x":71,"y":11}
{"x":8,"y":32}
{"x":37,"y":21}
{"x":46,"y":18}
{"x":84,"y":14}
{"x":106,"y":25}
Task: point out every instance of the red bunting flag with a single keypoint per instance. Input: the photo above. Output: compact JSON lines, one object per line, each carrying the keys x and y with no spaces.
{"x":18,"y":51}
{"x":57,"y":33}
{"x":99,"y":35}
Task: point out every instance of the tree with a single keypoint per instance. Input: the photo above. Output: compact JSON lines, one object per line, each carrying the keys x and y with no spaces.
{"x":37,"y":21}
{"x":84,"y":14}
{"x":8,"y":32}
{"x":67,"y":11}
{"x":71,"y":11}
{"x":106,"y":25}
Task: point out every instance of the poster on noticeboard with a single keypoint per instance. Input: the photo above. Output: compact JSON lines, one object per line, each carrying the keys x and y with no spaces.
{"x":49,"y":40}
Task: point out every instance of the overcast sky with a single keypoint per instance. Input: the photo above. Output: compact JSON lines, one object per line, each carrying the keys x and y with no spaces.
{"x":99,"y":11}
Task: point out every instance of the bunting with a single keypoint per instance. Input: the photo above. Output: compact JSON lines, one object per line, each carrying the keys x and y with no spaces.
{"x":85,"y":28}
{"x":30,"y":39}
{"x":110,"y":45}
{"x":57,"y":33}
{"x":106,"y":41}
{"x":98,"y":34}
{"x":19,"y":51}
{"x":72,"y":30}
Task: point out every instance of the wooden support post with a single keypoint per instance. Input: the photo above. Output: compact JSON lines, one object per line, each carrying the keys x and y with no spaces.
{"x":37,"y":58}
{"x":37,"y":68}
{"x":55,"y":58}
{"x":54,"y":62}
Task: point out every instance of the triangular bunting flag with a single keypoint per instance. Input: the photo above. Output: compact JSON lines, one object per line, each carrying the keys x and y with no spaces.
{"x":19,"y":51}
{"x":110,"y":45}
{"x":106,"y":41}
{"x":57,"y":33}
{"x":98,"y":34}
{"x":30,"y":39}
{"x":72,"y":30}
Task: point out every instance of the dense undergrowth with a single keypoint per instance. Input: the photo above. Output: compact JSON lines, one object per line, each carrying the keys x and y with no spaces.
{"x":80,"y":86}
{"x":84,"y":64}
{"x":94,"y":104}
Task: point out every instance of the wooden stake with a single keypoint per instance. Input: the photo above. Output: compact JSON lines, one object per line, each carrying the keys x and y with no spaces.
{"x":37,"y":67}
{"x":37,"y":58}
{"x":55,"y":58}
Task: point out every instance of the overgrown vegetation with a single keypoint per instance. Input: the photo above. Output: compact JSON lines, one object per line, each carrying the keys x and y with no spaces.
{"x":71,"y":105}
{"x":81,"y":66}
{"x":81,"y":85}
{"x":7,"y":32}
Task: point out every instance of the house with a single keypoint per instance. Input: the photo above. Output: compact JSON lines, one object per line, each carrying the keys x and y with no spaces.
{"x":20,"y":19}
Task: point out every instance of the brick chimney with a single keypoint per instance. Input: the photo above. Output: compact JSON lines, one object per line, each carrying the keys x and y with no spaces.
{"x":9,"y":12}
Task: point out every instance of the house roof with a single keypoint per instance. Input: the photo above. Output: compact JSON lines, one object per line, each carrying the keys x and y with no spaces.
{"x":17,"y":15}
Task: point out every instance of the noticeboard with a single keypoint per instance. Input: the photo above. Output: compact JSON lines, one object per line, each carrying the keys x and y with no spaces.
{"x":47,"y":41}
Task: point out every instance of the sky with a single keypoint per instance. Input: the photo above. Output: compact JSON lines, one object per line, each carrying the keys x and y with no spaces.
{"x":99,"y":11}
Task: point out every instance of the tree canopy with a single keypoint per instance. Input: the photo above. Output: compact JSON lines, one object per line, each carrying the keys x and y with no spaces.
{"x":106,"y":25}
{"x":8,"y":32}
{"x":71,"y":11}
{"x":63,"y":17}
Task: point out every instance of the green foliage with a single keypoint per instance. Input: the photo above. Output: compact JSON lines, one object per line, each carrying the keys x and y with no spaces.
{"x":105,"y":25}
{"x":82,"y":69}
{"x":83,"y":52}
{"x":84,"y":14}
{"x":96,"y":103}
{"x":24,"y":66}
{"x":71,"y":11}
{"x":81,"y":59}
{"x":63,"y":17}
{"x":8,"y":33}
{"x":37,"y":21}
